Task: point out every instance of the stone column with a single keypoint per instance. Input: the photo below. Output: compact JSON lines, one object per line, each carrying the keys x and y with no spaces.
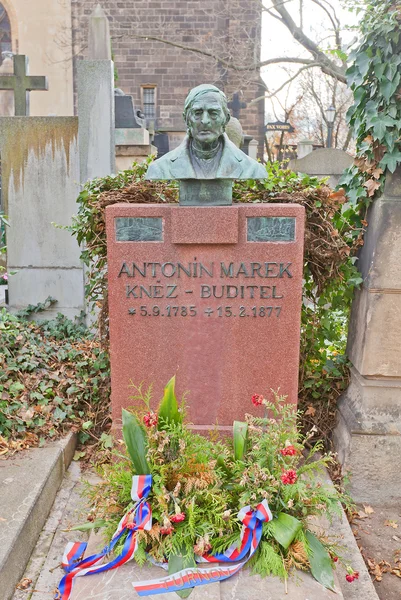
{"x":96,"y":118}
{"x":368,"y":434}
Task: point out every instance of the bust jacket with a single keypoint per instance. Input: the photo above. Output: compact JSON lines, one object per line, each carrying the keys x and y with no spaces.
{"x":234,"y":164}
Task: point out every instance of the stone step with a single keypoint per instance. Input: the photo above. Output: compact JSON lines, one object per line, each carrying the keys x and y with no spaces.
{"x":29,"y":482}
{"x":70,"y":508}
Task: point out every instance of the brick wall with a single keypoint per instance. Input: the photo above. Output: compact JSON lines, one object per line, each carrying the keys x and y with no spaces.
{"x":224,"y":27}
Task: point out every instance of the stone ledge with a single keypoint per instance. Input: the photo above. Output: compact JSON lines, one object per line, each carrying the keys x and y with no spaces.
{"x":372,"y":406}
{"x":28,"y":485}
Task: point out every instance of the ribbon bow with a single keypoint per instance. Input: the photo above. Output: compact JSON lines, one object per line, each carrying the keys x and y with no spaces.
{"x":252,"y":520}
{"x":137,"y":518}
{"x":140,"y":518}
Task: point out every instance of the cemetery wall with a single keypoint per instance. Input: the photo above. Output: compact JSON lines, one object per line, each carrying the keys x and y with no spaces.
{"x":42,"y":31}
{"x":228,"y":28}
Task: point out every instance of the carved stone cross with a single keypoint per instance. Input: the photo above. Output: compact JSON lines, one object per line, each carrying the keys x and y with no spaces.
{"x":235,"y":105}
{"x":21,"y":83}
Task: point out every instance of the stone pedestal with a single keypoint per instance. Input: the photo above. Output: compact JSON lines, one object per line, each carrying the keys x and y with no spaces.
{"x":212,"y":294}
{"x":132,"y":145}
{"x":368,"y":435}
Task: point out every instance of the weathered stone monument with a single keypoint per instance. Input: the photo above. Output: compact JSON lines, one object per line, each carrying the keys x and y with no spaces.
{"x":368,"y":435}
{"x":40,"y":184}
{"x":21,"y":84}
{"x":207,"y":291}
{"x":324,"y":162}
{"x":95,"y":77}
{"x":132,"y":137}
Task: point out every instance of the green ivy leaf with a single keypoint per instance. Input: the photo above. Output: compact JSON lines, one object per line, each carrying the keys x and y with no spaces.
{"x":363,"y":62}
{"x":380,"y":124}
{"x":388,"y":87}
{"x":391,"y":160}
{"x":59,"y":414}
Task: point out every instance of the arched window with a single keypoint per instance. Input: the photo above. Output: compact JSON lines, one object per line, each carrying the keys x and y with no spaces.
{"x":5,"y":32}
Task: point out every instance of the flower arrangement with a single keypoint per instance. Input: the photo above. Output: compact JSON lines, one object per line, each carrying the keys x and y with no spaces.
{"x":199,"y":485}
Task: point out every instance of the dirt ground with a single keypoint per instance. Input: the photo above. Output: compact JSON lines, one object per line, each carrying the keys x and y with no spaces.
{"x":377,"y":530}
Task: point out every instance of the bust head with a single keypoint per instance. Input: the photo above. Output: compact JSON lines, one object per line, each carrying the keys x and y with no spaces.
{"x":206,"y":115}
{"x":206,"y":152}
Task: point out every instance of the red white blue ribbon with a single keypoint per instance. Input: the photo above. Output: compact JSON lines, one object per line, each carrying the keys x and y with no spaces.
{"x":140,"y":517}
{"x":137,"y":518}
{"x":251,"y":534}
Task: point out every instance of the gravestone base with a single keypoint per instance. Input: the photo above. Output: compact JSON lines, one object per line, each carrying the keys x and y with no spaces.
{"x":210,"y":294}
{"x":368,"y":437}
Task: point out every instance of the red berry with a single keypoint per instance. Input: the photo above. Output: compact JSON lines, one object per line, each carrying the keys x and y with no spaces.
{"x":349,"y":578}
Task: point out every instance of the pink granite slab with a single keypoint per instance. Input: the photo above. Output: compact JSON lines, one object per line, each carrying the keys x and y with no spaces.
{"x":220,"y":351}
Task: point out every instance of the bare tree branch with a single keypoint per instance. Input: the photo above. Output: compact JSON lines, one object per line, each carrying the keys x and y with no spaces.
{"x":229,"y":63}
{"x":328,"y":66}
{"x":336,"y":24}
{"x":290,"y":80}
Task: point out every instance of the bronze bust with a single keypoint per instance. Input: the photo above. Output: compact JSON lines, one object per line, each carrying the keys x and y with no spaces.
{"x":206,"y":152}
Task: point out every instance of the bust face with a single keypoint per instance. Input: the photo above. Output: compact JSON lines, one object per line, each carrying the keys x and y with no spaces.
{"x":206,"y":119}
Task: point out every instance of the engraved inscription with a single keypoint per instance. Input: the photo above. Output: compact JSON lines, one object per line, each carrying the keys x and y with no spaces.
{"x":139,"y":229}
{"x":239,"y":289}
{"x":170,"y":310}
{"x":271,"y":229}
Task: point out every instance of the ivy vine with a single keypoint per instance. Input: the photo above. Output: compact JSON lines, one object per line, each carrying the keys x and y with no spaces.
{"x":375,"y":117}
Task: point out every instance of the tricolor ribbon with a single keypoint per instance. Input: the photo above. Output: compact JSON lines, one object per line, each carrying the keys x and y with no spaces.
{"x":140,"y":517}
{"x":137,"y":518}
{"x":252,"y":523}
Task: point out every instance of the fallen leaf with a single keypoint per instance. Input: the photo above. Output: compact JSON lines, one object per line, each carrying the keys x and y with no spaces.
{"x":24,"y":584}
{"x":368,"y":509}
{"x":78,"y":455}
{"x":310,"y":411}
{"x":390,"y":523}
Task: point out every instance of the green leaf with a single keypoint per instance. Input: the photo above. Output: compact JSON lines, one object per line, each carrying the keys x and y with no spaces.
{"x":176,"y":563}
{"x":320,"y":563}
{"x":363,"y":62}
{"x":380,"y":124}
{"x":168,"y":408}
{"x":240,"y":436}
{"x":59,"y":414}
{"x":387,"y":87}
{"x":135,"y":440}
{"x":391,"y":160}
{"x":284,"y":529}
